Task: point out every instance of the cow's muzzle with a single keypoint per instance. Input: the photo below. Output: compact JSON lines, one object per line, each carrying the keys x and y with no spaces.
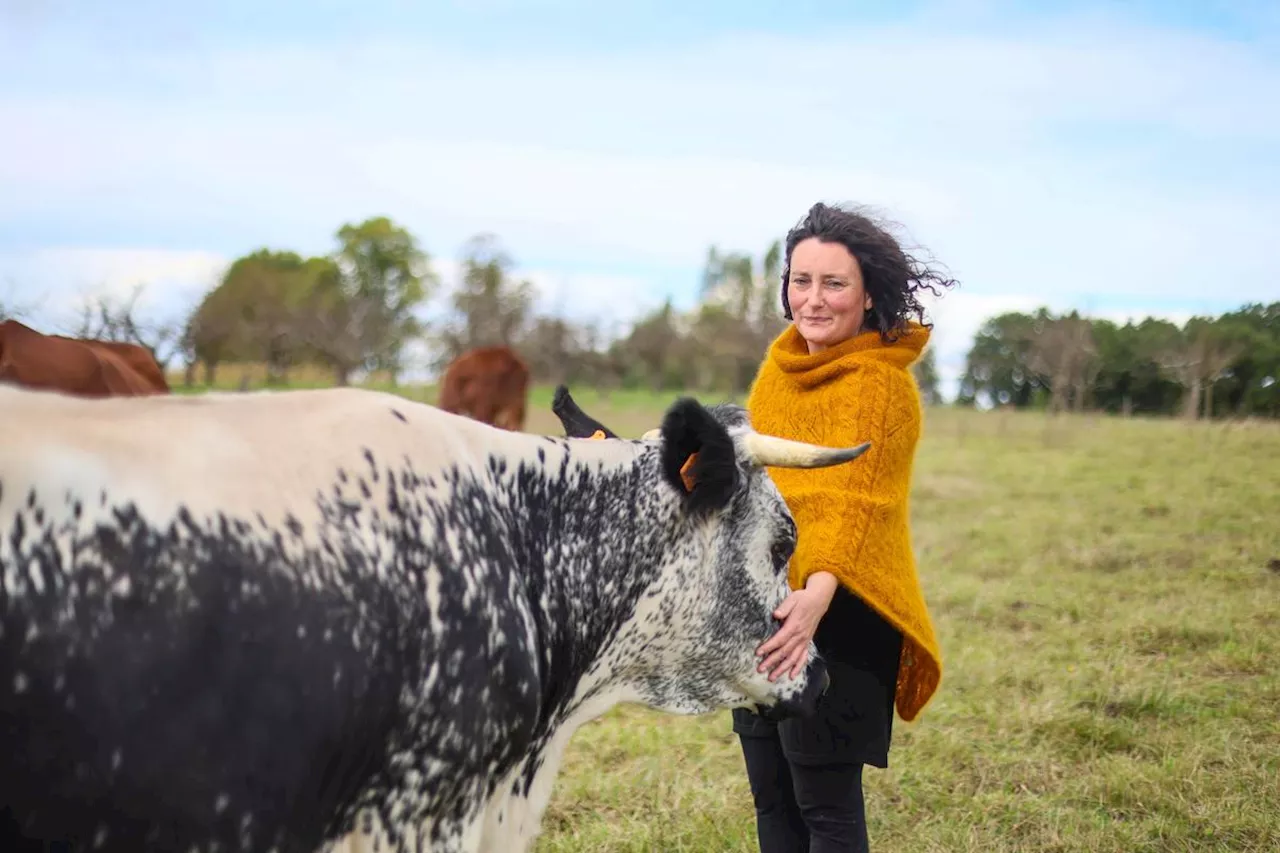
{"x":804,"y":704}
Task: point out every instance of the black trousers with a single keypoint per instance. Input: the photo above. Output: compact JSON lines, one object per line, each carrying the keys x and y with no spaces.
{"x":806,"y":774}
{"x":815,"y":808}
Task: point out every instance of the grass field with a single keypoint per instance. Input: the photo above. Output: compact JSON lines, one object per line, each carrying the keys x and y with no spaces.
{"x":1107,"y":595}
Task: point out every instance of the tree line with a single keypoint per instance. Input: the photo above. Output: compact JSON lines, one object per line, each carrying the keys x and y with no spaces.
{"x":359,"y":307}
{"x":1221,"y":366}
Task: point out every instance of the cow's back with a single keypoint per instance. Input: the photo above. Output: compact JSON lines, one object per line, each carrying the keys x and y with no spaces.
{"x":263,"y":452}
{"x":241,"y":633}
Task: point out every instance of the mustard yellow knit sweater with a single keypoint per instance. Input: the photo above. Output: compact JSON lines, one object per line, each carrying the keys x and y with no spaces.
{"x":852,"y":519}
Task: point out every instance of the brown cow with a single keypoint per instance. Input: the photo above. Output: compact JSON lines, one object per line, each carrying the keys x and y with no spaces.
{"x":75,"y":366}
{"x":488,"y":384}
{"x":136,"y":356}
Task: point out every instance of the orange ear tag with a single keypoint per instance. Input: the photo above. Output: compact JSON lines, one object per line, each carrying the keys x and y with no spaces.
{"x":598,"y":434}
{"x":684,"y":471}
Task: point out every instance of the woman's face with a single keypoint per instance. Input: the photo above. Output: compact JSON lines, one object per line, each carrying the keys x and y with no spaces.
{"x":828,"y":299}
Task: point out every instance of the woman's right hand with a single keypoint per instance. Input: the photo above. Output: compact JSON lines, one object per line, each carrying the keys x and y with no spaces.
{"x":800,"y":612}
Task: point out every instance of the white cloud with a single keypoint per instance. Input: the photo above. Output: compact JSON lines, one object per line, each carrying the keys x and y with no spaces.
{"x":1046,"y":163}
{"x":54,"y":283}
{"x":609,"y":301}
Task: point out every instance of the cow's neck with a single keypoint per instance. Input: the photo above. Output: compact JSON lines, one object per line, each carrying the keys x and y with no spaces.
{"x":512,"y":819}
{"x":611,"y":534}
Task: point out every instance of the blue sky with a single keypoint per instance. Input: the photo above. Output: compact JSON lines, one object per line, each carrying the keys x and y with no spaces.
{"x":1123,"y":160}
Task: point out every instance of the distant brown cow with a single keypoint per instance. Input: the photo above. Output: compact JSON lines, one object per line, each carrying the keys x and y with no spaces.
{"x":489,"y":384}
{"x":136,"y":356}
{"x":74,"y":366}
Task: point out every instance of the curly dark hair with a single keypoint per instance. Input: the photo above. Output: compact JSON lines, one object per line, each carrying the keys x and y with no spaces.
{"x":892,"y":277}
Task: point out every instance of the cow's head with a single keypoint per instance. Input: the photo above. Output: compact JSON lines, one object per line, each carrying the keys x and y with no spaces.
{"x":713,"y":601}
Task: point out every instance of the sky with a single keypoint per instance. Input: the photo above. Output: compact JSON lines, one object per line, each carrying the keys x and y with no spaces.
{"x":1119,"y":159}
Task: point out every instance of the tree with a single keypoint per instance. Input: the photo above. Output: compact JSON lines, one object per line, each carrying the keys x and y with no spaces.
{"x":1149,"y":390}
{"x":1196,"y":359}
{"x":550,"y":349}
{"x":652,"y":349}
{"x":925,"y":370}
{"x":271,"y":293}
{"x":1251,"y":384}
{"x":745,"y":300}
{"x":1063,"y":354}
{"x":599,"y":362}
{"x":769,"y":319}
{"x":107,"y":318}
{"x":1206,"y":368}
{"x":260,"y":311}
{"x":1119,"y":364}
{"x":366,"y":295}
{"x":489,"y":307}
{"x":714,"y":354}
{"x":997,"y":367}
{"x":215,"y":333}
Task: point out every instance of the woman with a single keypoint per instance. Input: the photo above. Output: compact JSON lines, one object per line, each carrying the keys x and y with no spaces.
{"x":840,"y":375}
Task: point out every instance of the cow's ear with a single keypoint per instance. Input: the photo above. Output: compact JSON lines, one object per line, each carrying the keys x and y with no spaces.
{"x":698,"y":456}
{"x":576,"y":423}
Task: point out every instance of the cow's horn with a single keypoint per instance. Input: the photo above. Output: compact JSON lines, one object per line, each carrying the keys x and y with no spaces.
{"x":784,"y":453}
{"x":652,"y":435}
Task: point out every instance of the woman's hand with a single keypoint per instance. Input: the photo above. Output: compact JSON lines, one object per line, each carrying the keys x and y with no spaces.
{"x":800,"y":613}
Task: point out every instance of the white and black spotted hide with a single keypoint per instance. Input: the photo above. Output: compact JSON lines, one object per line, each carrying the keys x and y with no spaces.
{"x":338,"y":619}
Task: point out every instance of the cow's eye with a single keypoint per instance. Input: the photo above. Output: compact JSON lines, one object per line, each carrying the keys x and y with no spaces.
{"x":781,"y":553}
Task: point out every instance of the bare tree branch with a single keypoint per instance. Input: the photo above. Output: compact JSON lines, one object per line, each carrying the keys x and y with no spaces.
{"x":1064,"y":354}
{"x":104,"y":317}
{"x":17,"y":307}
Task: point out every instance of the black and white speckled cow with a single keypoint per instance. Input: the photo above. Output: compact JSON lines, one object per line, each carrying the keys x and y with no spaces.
{"x":281,"y":622}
